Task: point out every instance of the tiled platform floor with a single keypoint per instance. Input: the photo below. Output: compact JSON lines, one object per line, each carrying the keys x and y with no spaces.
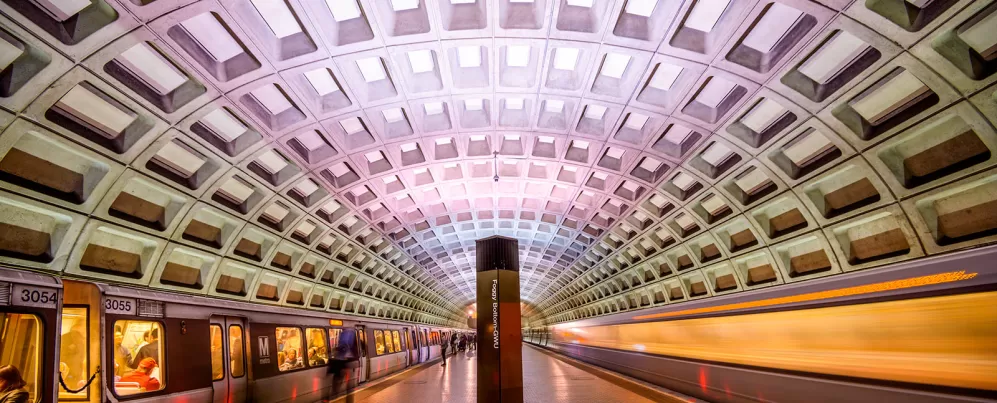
{"x":546,"y":379}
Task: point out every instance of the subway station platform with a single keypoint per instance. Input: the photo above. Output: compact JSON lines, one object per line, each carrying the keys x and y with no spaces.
{"x":547,"y":378}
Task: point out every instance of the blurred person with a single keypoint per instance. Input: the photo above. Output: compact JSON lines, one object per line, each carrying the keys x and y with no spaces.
{"x":141,"y":375}
{"x":122,"y":357}
{"x":73,"y":352}
{"x":291,"y":360}
{"x":462,"y":342}
{"x":341,"y":365}
{"x":150,"y":348}
{"x":12,"y":385}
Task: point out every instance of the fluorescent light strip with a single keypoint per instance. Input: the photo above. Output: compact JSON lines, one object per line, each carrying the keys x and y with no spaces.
{"x":833,"y":58}
{"x":890,"y":97}
{"x":763,"y":115}
{"x":772,"y":27}
{"x":343,"y":10}
{"x":94,"y":110}
{"x":212,"y":37}
{"x":178,"y":160}
{"x":278,"y":17}
{"x":705,"y":14}
{"x":223,"y":125}
{"x":152,"y":68}
{"x":271,"y":98}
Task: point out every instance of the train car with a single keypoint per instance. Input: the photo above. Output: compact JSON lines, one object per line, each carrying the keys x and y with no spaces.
{"x":86,"y":341}
{"x":920,"y":332}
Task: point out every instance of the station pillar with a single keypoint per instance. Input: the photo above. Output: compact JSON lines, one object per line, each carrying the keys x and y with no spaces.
{"x":500,"y":350}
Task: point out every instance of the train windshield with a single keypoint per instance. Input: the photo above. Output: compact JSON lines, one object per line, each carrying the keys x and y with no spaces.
{"x":139,"y":350}
{"x":20,"y":346}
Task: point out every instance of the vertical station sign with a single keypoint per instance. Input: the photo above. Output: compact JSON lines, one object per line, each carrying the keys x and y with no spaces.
{"x":500,"y":353}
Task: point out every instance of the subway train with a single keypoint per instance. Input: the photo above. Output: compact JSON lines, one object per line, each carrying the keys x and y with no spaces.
{"x":919,"y":332}
{"x":85,"y":341}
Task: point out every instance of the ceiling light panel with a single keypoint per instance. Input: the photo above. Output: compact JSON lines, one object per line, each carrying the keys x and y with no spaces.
{"x":321,"y":81}
{"x":278,"y":17}
{"x":643,"y":8}
{"x":614,"y":65}
{"x":517,"y":55}
{"x":664,"y":76}
{"x":565,"y":58}
{"x":421,"y":61}
{"x":705,"y":14}
{"x":469,"y":56}
{"x":403,"y":5}
{"x":343,"y":10}
{"x":372,"y":69}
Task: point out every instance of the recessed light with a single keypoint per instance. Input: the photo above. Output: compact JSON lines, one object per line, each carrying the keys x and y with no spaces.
{"x":594,"y":112}
{"x":636,"y":121}
{"x":433,"y":108}
{"x":393,"y":115}
{"x":372,"y":69}
{"x":469,"y":56}
{"x":772,"y":27}
{"x":421,"y":61}
{"x":278,"y":17}
{"x":517,"y":55}
{"x":222,"y":124}
{"x":321,"y":81}
{"x":343,"y":10}
{"x":643,"y":8}
{"x":373,"y":156}
{"x":514,"y":103}
{"x":149,"y":66}
{"x":565,"y":58}
{"x":352,"y":125}
{"x":402,"y":5}
{"x":664,"y":76}
{"x":473,"y":104}
{"x":705,"y":14}
{"x":212,"y":36}
{"x":614,"y":65}
{"x":554,"y":105}
{"x":833,"y":57}
{"x":271,"y":98}
{"x":715,"y":91}
{"x":580,"y":3}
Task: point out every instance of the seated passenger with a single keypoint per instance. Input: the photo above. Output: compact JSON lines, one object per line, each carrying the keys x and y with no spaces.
{"x":12,"y":385}
{"x":141,"y":375}
{"x":314,"y":358}
{"x":292,"y":361}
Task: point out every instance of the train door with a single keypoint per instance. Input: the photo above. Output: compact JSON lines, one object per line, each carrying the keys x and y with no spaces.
{"x":29,"y":318}
{"x":364,"y":363}
{"x":228,"y":359}
{"x":80,"y":343}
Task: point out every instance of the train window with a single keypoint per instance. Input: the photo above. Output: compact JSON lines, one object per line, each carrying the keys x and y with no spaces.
{"x":398,"y":340}
{"x":379,"y":340}
{"x":236,"y":348}
{"x":217,"y":347}
{"x":334,"y":337}
{"x":387,"y":342}
{"x":20,"y":346}
{"x":75,"y":352}
{"x":141,"y":351}
{"x":289,"y":348}
{"x":318,"y":351}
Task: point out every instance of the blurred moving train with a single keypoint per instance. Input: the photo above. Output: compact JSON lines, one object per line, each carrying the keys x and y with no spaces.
{"x":117,"y":343}
{"x":918,"y":332}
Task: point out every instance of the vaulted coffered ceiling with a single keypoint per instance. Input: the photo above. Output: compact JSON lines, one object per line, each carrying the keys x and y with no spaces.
{"x":596,"y":132}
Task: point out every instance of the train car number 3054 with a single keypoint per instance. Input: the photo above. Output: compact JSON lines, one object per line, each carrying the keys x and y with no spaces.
{"x":35,"y":296}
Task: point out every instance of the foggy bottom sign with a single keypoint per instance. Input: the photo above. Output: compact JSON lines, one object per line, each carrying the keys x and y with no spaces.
{"x":495,"y":315}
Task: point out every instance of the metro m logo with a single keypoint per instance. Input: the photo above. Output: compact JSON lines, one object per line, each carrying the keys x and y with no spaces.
{"x":263,"y":342}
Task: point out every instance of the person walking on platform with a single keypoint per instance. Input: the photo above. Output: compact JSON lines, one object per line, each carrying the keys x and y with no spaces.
{"x":462,"y":343}
{"x":443,"y":352}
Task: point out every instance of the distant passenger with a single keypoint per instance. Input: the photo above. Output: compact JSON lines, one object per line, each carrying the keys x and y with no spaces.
{"x":12,"y":385}
{"x":292,"y":360}
{"x":74,"y":354}
{"x":122,"y":357}
{"x":141,"y":375}
{"x":314,"y":358}
{"x":443,"y":351}
{"x":148,"y":350}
